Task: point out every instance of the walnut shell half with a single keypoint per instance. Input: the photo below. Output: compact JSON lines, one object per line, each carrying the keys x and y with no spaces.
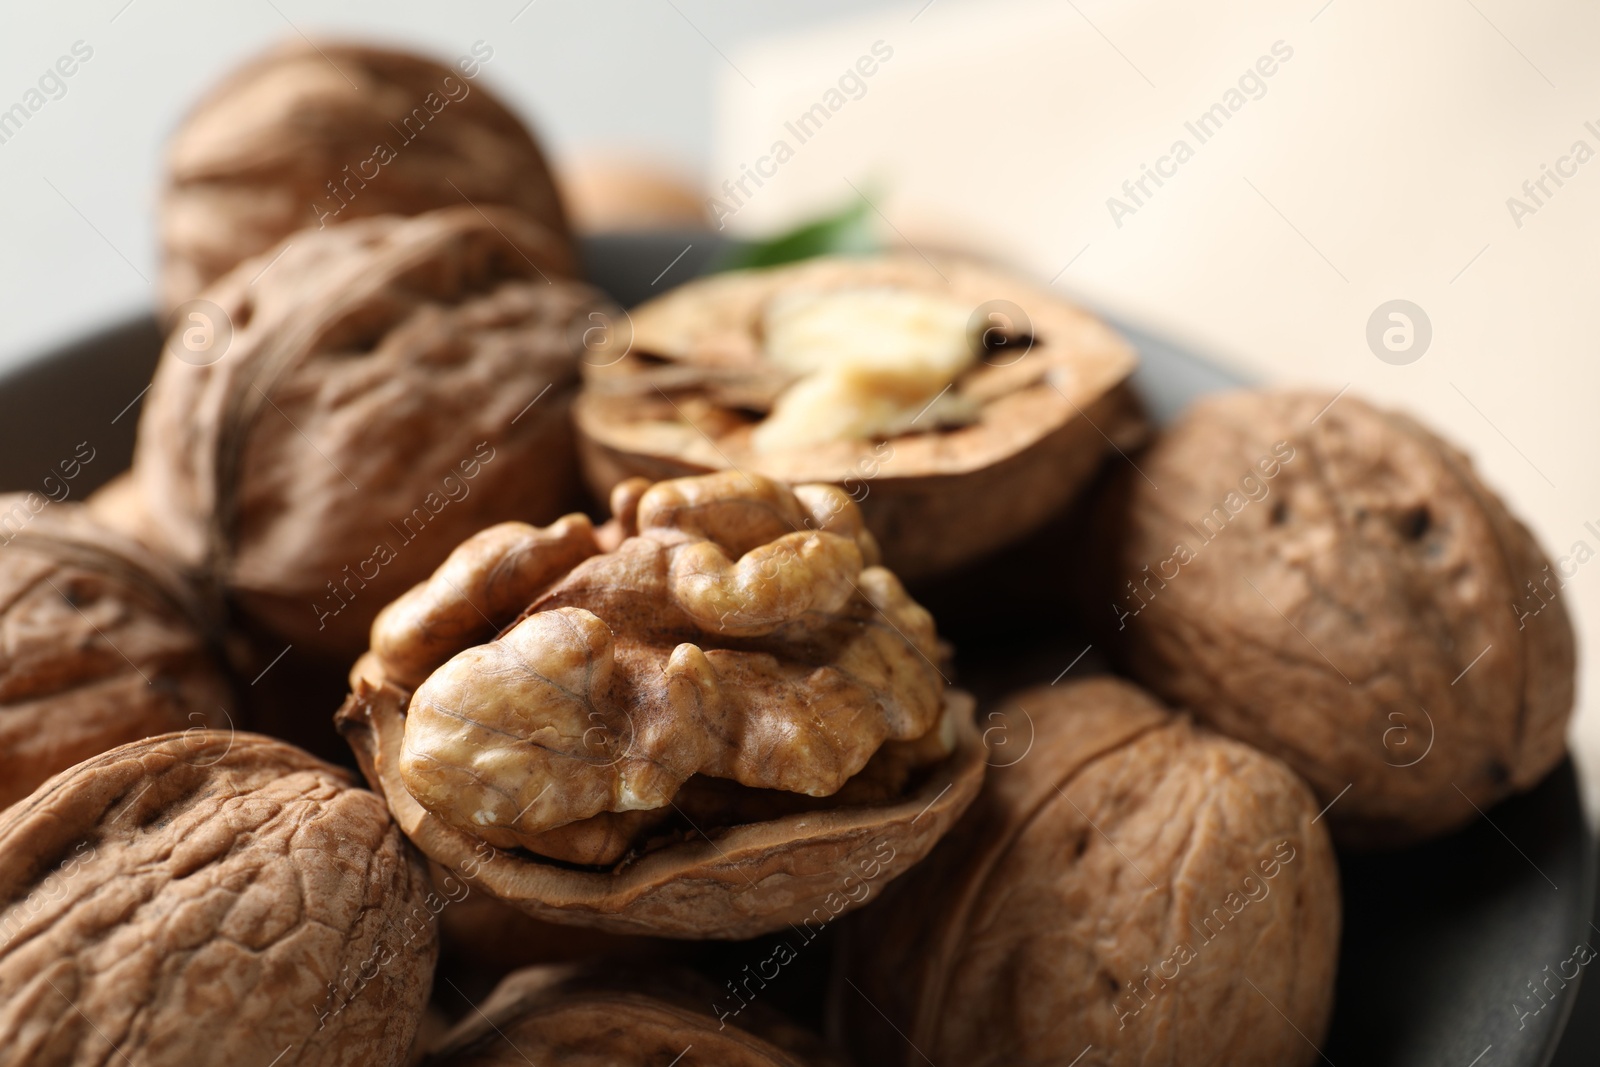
{"x":1333,"y":584}
{"x":982,"y":403}
{"x":100,"y":644}
{"x":311,"y":135}
{"x":587,"y":1017}
{"x":693,"y":722}
{"x":391,"y":386}
{"x":209,"y":898}
{"x":1133,"y":883}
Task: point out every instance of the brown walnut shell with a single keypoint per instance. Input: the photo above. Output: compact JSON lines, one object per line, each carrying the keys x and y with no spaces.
{"x":100,"y":644}
{"x":1133,"y":890}
{"x":693,"y":722}
{"x":1365,"y":612}
{"x":391,"y":386}
{"x":209,"y":898}
{"x":1047,"y":405}
{"x":589,"y":1017}
{"x":313,"y":135}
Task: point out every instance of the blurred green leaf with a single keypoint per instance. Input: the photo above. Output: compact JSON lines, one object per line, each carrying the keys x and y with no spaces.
{"x":845,"y":232}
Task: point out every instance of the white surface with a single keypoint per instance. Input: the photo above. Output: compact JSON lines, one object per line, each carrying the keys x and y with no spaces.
{"x":586,"y":73}
{"x":1375,"y":165}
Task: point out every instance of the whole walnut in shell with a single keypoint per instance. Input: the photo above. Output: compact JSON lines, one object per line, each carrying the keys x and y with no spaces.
{"x":590,"y":1017}
{"x":960,"y":407}
{"x":1333,"y":583}
{"x":391,"y":386}
{"x":312,"y":135}
{"x":693,"y":721}
{"x":1133,"y":890}
{"x":100,"y":644}
{"x":209,"y":898}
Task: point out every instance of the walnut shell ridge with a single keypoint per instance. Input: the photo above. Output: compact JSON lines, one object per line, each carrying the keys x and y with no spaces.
{"x":1133,"y":883}
{"x":1047,"y":407}
{"x":100,"y":644}
{"x":209,"y":898}
{"x":1333,"y":584}
{"x":313,"y":135}
{"x":581,"y":705}
{"x":391,"y":385}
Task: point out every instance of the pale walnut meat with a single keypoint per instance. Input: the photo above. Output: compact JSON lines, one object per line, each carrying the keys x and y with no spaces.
{"x":1132,"y":883}
{"x":316,"y":135}
{"x":587,"y":1016}
{"x":688,"y":722}
{"x":209,"y":898}
{"x":1333,"y":584}
{"x":391,"y":386}
{"x":100,"y":644}
{"x":961,"y":407}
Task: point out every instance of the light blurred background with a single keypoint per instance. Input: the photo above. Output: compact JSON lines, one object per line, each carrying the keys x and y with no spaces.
{"x":1373,"y":164}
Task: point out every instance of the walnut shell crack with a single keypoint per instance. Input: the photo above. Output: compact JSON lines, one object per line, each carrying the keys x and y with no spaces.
{"x":1341,"y":590}
{"x":1124,"y":886}
{"x":391,"y":385}
{"x":209,"y":897}
{"x":312,"y":135}
{"x":677,"y":724}
{"x":100,"y":644}
{"x":1024,"y":424}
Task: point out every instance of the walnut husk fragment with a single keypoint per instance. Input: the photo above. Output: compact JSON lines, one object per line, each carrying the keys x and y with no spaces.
{"x":391,"y":385}
{"x":209,"y":898}
{"x":1132,"y":884}
{"x":100,"y":644}
{"x":985,"y":462}
{"x":1333,"y":583}
{"x":593,"y":1017}
{"x":689,"y":722}
{"x":316,"y":135}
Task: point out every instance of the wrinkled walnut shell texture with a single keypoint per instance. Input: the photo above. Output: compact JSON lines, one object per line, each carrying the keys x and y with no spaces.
{"x":1395,"y":570}
{"x":99,"y":645}
{"x":933,"y":500}
{"x":1115,"y":839}
{"x":209,"y":897}
{"x":585,"y":1017}
{"x":392,"y":385}
{"x":252,"y":164}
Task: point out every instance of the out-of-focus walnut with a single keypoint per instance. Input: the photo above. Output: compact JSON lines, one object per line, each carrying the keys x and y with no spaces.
{"x":209,"y":898}
{"x":391,"y":386}
{"x":312,"y":135}
{"x":594,"y":1017}
{"x":961,"y":407}
{"x":619,"y":194}
{"x":1132,"y":883}
{"x":1333,"y":584}
{"x":100,"y":644}
{"x":695,"y":721}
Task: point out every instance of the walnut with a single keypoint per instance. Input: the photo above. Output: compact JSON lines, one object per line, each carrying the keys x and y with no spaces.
{"x":960,"y":407}
{"x":592,"y":1017}
{"x":311,"y":135}
{"x":209,"y":897}
{"x":1333,"y":584}
{"x":391,"y":386}
{"x":695,"y":721}
{"x":100,"y":644}
{"x":1133,"y":890}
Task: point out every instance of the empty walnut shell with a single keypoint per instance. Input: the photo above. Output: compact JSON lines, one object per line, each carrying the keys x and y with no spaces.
{"x":312,"y":135}
{"x":583,"y":1016}
{"x":391,"y":386}
{"x":100,"y":644}
{"x":984,"y":461}
{"x":1132,"y":884}
{"x":209,"y":898}
{"x":1333,"y":584}
{"x":687,"y":723}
